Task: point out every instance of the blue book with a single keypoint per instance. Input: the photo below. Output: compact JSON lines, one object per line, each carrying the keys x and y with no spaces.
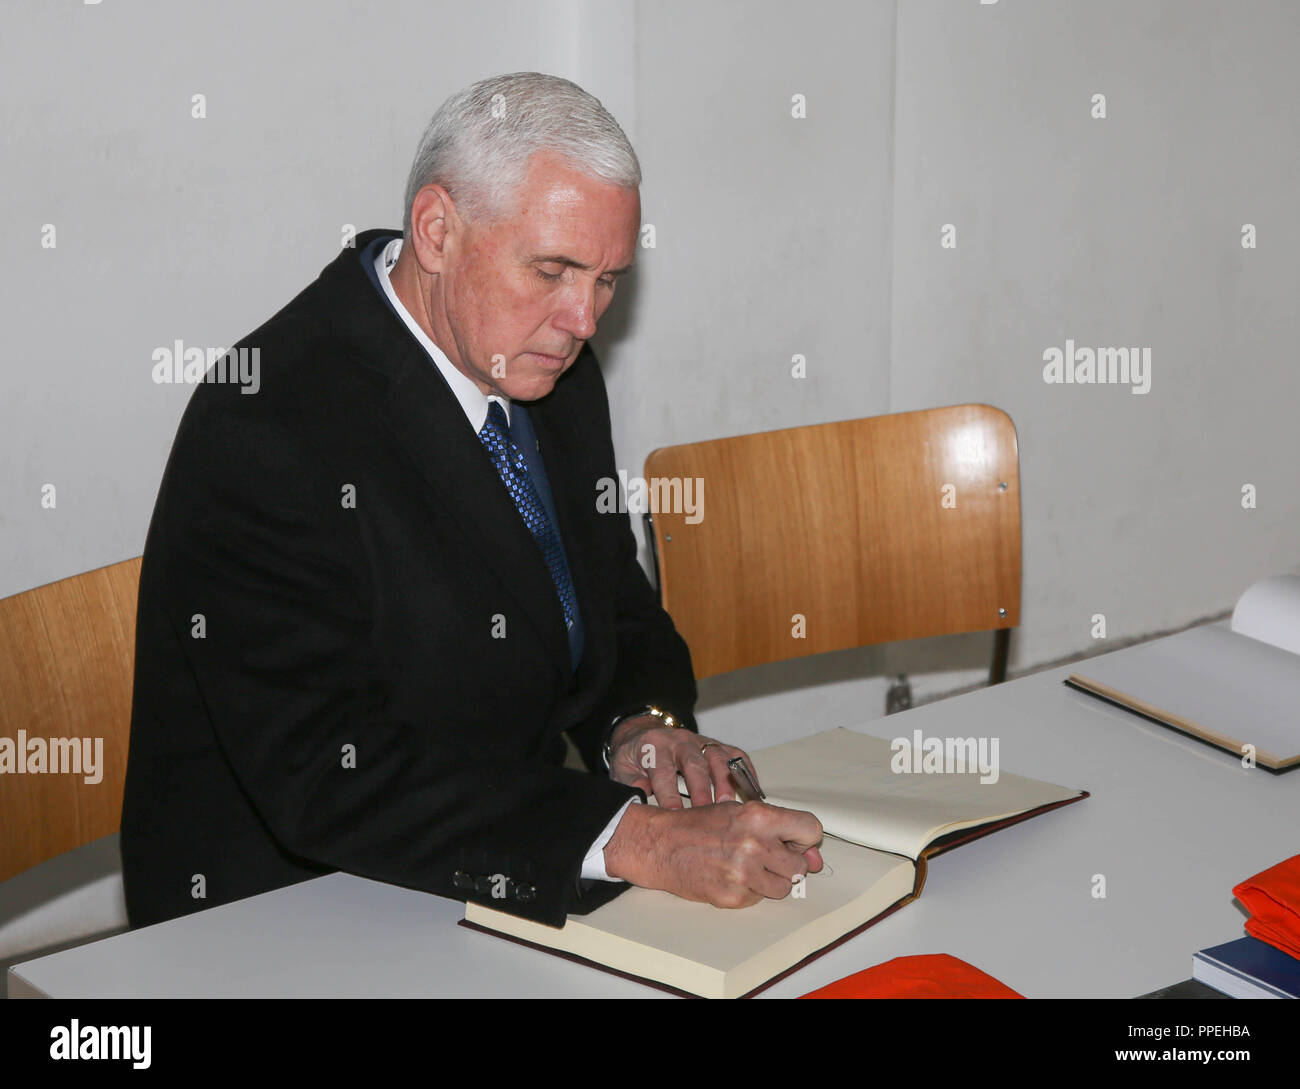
{"x":1248,"y":968}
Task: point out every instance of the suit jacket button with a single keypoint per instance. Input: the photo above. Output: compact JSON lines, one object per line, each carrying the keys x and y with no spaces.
{"x":462,"y":880}
{"x":525,"y":893}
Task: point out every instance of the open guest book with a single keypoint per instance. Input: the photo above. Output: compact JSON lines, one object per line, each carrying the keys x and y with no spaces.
{"x":1230,"y":685}
{"x":882,"y":827}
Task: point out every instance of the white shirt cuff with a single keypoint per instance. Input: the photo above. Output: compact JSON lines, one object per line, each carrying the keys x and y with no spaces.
{"x":593,"y":866}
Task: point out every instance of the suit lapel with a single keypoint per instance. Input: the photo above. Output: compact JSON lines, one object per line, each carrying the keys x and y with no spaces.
{"x":574,"y":505}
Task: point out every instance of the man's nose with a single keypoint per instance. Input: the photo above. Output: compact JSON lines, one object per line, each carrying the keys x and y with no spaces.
{"x":578,"y":315}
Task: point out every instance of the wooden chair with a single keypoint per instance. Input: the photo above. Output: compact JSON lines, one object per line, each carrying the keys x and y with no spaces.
{"x":841,"y":535}
{"x":66,"y":657}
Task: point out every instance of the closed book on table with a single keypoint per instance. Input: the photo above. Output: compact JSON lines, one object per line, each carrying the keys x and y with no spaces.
{"x":1234,"y":685}
{"x":1248,"y":968}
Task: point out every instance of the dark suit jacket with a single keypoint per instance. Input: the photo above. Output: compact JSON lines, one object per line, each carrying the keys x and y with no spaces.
{"x":317,"y":683}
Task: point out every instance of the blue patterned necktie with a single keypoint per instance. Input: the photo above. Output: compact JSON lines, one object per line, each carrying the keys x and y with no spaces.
{"x":513,"y":470}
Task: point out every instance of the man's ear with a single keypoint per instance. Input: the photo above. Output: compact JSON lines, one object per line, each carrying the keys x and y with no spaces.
{"x":435,"y":227}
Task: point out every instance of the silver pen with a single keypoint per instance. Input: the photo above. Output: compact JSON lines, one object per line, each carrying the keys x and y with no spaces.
{"x":738,"y":768}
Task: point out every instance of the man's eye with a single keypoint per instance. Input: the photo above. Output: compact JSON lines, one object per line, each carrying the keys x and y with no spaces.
{"x":548,"y":275}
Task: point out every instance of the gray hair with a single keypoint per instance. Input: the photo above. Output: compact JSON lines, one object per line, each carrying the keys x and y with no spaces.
{"x":478,"y":144}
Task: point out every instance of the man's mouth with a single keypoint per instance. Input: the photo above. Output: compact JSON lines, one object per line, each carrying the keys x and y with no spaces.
{"x":556,"y":361}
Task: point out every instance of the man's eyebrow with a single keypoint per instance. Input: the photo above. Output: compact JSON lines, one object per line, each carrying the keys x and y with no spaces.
{"x":560,"y":259}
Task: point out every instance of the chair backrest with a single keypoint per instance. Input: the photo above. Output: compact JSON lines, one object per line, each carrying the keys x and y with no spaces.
{"x":837,"y":535}
{"x":66,"y":657}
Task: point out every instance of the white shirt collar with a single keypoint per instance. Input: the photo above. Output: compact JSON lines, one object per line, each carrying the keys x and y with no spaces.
{"x":471,"y":398}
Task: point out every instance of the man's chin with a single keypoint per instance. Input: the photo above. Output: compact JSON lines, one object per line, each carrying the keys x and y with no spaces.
{"x":534,"y":385}
{"x":532,"y":389}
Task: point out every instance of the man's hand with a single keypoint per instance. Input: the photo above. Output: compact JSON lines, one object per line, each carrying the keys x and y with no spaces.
{"x":729,"y":855}
{"x":647,"y":755}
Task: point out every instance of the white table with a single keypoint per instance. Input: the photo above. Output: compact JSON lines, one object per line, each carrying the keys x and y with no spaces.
{"x":1172,"y":825}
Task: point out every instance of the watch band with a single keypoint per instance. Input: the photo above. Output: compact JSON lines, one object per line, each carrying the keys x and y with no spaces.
{"x":665,"y":718}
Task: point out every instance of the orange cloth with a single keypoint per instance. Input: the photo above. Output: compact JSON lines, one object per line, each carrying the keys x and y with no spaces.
{"x":1273,"y":900}
{"x":934,"y":975}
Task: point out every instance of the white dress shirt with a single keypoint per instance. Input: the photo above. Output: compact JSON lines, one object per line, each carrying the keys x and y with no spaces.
{"x":475,"y":403}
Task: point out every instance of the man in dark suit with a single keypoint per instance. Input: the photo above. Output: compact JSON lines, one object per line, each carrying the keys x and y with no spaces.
{"x":376,"y":592}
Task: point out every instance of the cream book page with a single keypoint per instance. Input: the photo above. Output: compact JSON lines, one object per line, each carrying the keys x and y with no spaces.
{"x":720,"y":952}
{"x":846,"y":780}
